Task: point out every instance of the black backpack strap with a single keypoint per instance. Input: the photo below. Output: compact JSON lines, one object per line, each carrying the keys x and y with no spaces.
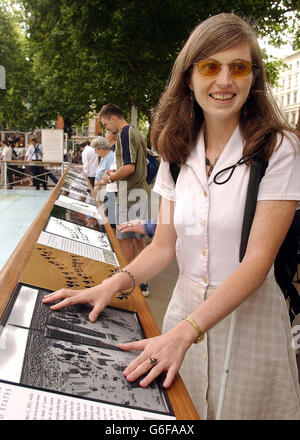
{"x":174,"y":169}
{"x":257,"y":171}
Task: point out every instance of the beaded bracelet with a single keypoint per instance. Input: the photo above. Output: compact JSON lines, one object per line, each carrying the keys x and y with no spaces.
{"x":125,"y":294}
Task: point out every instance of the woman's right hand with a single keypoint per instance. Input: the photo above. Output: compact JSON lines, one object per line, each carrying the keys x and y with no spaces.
{"x":98,"y":297}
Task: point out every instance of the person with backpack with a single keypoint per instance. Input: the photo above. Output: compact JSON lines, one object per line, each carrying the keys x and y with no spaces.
{"x":131,"y":177}
{"x":227,"y":329}
{"x":15,"y":169}
{"x":35,"y":153}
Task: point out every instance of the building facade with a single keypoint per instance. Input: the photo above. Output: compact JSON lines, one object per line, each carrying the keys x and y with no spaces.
{"x":287,"y":93}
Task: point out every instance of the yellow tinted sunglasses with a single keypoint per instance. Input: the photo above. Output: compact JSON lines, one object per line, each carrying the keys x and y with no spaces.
{"x":237,"y":68}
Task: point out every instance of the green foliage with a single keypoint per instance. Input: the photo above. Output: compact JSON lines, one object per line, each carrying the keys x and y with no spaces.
{"x":13,"y":56}
{"x":83,"y":54}
{"x":273,"y":69}
{"x":296,"y":45}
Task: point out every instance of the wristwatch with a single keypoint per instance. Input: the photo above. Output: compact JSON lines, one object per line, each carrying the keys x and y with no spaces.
{"x":109,"y":179}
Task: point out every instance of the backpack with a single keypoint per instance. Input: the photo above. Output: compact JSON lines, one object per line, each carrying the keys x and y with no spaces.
{"x":37,"y":152}
{"x":152,"y":166}
{"x":288,"y":256}
{"x":14,"y":155}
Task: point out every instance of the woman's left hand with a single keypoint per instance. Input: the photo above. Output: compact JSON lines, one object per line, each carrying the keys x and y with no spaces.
{"x":159,"y":354}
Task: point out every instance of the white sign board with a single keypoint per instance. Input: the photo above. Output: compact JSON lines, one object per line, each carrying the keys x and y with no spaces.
{"x":53,"y":144}
{"x":2,"y":78}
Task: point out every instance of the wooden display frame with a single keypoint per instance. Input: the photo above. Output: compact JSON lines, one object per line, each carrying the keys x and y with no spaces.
{"x":12,"y":274}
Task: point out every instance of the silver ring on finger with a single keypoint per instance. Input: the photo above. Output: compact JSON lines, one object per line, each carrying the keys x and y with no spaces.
{"x":152,"y":360}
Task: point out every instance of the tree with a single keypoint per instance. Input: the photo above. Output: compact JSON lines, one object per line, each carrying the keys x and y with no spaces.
{"x":92,"y":52}
{"x":13,"y":54}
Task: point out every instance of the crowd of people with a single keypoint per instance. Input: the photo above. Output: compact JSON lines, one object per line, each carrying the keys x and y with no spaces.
{"x":11,"y":149}
{"x":14,"y":149}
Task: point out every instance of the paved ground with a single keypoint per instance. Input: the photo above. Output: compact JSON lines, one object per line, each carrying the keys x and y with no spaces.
{"x":18,"y":209}
{"x":161,"y":288}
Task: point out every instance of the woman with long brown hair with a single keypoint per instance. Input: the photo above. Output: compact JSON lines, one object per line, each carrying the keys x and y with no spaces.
{"x":216,"y":113}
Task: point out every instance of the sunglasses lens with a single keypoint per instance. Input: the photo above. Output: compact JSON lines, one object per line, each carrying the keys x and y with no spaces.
{"x":212,"y":68}
{"x":208,"y":67}
{"x":241,"y":68}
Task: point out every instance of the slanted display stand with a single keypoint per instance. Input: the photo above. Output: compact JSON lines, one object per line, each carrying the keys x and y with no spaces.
{"x":59,"y":365}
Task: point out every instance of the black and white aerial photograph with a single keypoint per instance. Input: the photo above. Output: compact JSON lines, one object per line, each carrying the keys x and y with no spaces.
{"x":78,"y":178}
{"x":73,"y":193}
{"x":72,"y":186}
{"x":75,"y":183}
{"x":77,"y":217}
{"x":63,"y":351}
{"x":73,"y":172}
{"x":77,"y":232}
{"x":77,"y":205}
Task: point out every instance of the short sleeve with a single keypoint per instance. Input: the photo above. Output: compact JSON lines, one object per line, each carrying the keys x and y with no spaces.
{"x":164,"y":183}
{"x":128,"y":144}
{"x":282,"y":178}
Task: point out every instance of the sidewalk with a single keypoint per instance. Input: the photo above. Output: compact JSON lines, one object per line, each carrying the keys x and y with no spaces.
{"x":161,"y":288}
{"x":18,"y":209}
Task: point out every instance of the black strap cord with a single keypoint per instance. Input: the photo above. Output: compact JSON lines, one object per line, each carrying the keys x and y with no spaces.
{"x":232,"y":168}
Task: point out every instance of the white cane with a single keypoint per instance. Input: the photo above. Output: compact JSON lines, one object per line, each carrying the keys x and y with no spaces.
{"x":226,"y":364}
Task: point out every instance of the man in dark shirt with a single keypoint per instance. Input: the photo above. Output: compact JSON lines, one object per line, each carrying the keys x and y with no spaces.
{"x":130,"y":175}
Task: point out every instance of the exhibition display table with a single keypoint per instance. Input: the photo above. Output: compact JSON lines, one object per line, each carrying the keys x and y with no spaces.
{"x":58,"y":365}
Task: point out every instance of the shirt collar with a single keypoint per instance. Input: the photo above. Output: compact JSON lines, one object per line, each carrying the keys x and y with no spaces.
{"x":232,"y":152}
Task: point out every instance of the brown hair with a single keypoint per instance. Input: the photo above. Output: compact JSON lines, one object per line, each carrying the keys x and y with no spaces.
{"x":173,"y":132}
{"x":111,"y":110}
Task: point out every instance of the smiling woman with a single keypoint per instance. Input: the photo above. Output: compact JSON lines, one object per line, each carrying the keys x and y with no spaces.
{"x":226,"y":329}
{"x":221,"y":87}
{"x":175,"y":136}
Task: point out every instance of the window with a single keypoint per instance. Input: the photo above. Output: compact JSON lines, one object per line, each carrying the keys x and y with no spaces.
{"x":295,"y":97}
{"x":288,"y":100}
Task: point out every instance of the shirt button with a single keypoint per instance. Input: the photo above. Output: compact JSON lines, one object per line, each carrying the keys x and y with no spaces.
{"x":205,"y":193}
{"x":205,"y":280}
{"x":204,"y":355}
{"x":204,"y":252}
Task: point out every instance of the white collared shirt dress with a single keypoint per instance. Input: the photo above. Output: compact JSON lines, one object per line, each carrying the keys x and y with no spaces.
{"x":263,"y":379}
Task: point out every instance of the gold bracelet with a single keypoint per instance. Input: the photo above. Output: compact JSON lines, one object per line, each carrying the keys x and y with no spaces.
{"x":197,"y":328}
